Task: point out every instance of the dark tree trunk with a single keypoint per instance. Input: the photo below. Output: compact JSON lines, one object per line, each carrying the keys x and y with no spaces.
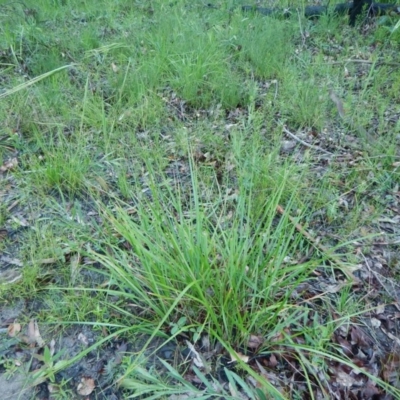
{"x":357,"y":9}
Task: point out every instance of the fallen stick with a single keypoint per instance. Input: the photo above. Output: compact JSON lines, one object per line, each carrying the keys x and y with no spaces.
{"x":310,"y":146}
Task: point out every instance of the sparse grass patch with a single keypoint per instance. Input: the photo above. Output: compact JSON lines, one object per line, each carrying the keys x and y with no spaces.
{"x":62,"y":167}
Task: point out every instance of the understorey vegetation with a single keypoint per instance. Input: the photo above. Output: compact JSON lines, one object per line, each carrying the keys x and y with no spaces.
{"x":199,"y":201}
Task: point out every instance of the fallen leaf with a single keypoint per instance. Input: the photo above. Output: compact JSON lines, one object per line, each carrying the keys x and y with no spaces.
{"x":198,"y":360}
{"x":114,"y":67}
{"x":239,"y":356}
{"x":272,"y":362}
{"x":271,"y":376}
{"x":380,"y":309}
{"x":333,"y":288}
{"x":14,"y":329}
{"x":119,"y":354}
{"x":345,"y":345}
{"x":52,"y":388}
{"x":391,"y":366}
{"x":34,"y":334}
{"x":83,"y":339}
{"x":3,"y":233}
{"x":255,"y":342}
{"x":86,"y":386}
{"x":344,"y":379}
{"x":391,"y":336}
{"x":375,"y":322}
{"x":9,"y":165}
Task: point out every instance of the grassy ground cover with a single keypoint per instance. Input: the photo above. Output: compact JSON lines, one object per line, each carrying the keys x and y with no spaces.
{"x":197,"y":202}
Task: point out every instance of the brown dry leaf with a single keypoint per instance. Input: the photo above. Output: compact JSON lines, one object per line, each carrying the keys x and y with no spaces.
{"x":239,"y":356}
{"x":333,"y":288}
{"x":3,"y":233}
{"x":82,"y":338}
{"x":9,"y":165}
{"x":255,"y":341}
{"x":52,"y":388}
{"x":345,"y":345}
{"x":375,"y":322}
{"x":119,"y":354}
{"x":370,"y":391}
{"x":358,"y":337}
{"x":391,"y":366}
{"x":271,"y":376}
{"x":198,"y":360}
{"x":380,"y":309}
{"x":86,"y":386}
{"x":391,"y":336}
{"x":344,"y":379}
{"x":34,"y":334}
{"x":13,"y":329}
{"x":114,"y":67}
{"x":273,"y":362}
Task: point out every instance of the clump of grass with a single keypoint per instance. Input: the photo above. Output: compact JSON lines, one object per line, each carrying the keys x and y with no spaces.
{"x":219,"y":264}
{"x":193,"y":245}
{"x":266,"y":47}
{"x":59,"y":165}
{"x":195,"y":65}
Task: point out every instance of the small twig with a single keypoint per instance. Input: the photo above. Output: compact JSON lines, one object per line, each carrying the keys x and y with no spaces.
{"x":319,"y":246}
{"x":392,"y":64}
{"x":386,"y":243}
{"x":347,"y":61}
{"x":9,"y":208}
{"x":310,"y":146}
